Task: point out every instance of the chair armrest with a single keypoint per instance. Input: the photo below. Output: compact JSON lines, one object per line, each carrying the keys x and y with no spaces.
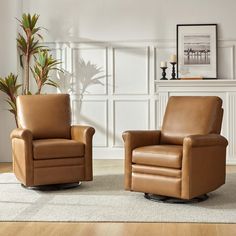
{"x":22,"y":153}
{"x":19,"y":133}
{"x":205,"y":140}
{"x":139,"y":138}
{"x":82,"y":133}
{"x":85,"y":134}
{"x":132,"y":140}
{"x":203,"y":164}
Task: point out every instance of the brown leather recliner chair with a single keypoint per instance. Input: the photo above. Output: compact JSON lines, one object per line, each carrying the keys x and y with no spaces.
{"x":46,"y":148}
{"x":186,"y":159}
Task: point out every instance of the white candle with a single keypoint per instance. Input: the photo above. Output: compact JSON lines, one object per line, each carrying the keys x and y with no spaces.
{"x":163,"y":64}
{"x":173,"y":58}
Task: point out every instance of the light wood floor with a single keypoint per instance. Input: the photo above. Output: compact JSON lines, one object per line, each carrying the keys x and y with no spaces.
{"x":113,"y":229}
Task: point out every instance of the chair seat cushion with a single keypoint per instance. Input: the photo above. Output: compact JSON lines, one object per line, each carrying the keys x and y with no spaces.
{"x":57,"y":148}
{"x":159,"y":155}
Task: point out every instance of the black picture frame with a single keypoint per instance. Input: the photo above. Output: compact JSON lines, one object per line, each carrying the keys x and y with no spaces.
{"x":197,"y":54}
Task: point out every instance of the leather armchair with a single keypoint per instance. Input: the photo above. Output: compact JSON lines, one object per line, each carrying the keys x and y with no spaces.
{"x":184,"y":160}
{"x":46,"y":149}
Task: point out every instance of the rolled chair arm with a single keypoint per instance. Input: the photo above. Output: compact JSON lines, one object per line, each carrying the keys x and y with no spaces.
{"x":205,"y":140}
{"x":204,"y":158}
{"x":82,"y":133}
{"x":139,"y":138}
{"x":22,"y":152}
{"x":19,"y":133}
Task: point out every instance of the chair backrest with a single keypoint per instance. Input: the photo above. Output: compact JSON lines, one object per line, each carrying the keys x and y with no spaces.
{"x":189,"y":115}
{"x":46,"y":116}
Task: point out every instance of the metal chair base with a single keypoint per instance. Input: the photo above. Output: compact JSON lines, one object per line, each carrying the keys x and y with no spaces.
{"x":53,"y":187}
{"x":165,"y":199}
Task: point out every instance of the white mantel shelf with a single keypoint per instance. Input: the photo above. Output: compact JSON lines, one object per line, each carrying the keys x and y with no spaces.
{"x":226,"y":89}
{"x":223,"y":84}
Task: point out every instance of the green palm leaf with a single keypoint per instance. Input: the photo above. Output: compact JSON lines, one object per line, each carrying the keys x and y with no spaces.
{"x":44,"y":63}
{"x":9,"y":86}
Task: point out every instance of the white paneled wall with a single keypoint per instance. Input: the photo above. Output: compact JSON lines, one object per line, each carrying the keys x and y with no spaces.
{"x":131,"y":71}
{"x":112,"y":87}
{"x":226,"y":55}
{"x":129,"y":115}
{"x":89,"y":70}
{"x":94,"y":113}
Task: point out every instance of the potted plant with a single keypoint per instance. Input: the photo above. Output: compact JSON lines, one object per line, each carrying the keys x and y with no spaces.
{"x":30,"y":49}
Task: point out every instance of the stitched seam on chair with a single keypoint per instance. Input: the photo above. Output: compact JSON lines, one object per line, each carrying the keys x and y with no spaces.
{"x":41,"y":167}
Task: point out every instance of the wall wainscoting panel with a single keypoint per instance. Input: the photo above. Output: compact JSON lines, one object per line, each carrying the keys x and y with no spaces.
{"x":94,"y":113}
{"x":115,"y":86}
{"x":129,"y":115}
{"x":89,"y":70}
{"x":131,"y":70}
{"x":231,"y":126}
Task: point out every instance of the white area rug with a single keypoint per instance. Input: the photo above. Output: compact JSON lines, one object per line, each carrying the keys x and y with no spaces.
{"x":105,"y":200}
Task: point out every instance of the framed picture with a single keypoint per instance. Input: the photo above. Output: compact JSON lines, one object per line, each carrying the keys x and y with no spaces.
{"x":197,"y":51}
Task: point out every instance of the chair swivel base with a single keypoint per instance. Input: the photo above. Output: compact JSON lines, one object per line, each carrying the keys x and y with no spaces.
{"x":53,"y":187}
{"x":165,"y":199}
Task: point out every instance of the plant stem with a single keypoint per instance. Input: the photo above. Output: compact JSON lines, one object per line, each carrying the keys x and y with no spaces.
{"x":39,"y":90}
{"x":27,"y":62}
{"x":26,"y":75}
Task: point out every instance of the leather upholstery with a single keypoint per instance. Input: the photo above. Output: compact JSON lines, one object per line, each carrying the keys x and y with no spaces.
{"x":186,"y":158}
{"x":46,"y":116}
{"x":134,"y":139}
{"x":46,"y":149}
{"x":159,"y":155}
{"x":200,"y":120}
{"x":155,"y":170}
{"x":84,"y":135}
{"x":22,"y":155}
{"x":59,"y":162}
{"x":162,"y":185}
{"x":203,"y":166}
{"x":219,"y":121}
{"x":57,"y":148}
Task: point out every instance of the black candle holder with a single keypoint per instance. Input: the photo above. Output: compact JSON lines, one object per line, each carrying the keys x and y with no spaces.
{"x":163,"y":73}
{"x":173,"y":74}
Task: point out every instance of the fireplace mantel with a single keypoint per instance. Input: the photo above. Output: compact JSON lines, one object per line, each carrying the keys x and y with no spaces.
{"x":192,"y":84}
